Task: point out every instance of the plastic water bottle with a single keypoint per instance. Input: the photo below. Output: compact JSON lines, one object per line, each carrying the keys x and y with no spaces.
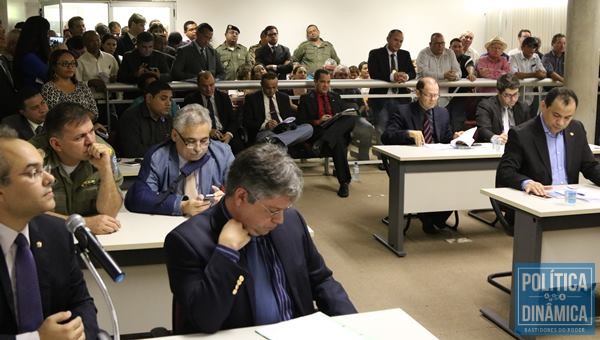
{"x":355,"y":172}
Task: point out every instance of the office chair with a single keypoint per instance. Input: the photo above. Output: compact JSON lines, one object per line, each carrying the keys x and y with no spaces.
{"x":505,"y":216}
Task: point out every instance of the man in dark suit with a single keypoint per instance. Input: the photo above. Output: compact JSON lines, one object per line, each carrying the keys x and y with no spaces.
{"x":32,"y":114}
{"x":549,"y":150}
{"x":318,"y":107}
{"x":49,"y":297}
{"x":249,"y":260}
{"x":275,"y":57}
{"x":265,"y":110}
{"x":422,"y":122}
{"x":389,"y":63}
{"x":143,"y":59}
{"x":496,"y":115}
{"x":7,"y":85}
{"x":198,"y":56}
{"x":225,"y":122}
{"x":127,"y":41}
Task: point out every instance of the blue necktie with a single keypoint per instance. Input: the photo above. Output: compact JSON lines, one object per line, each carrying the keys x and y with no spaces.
{"x":29,"y":300}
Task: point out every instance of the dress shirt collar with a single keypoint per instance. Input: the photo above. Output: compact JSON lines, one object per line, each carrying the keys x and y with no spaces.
{"x":390,"y":52}
{"x":272,"y":46}
{"x":8,"y":236}
{"x":547,"y":130}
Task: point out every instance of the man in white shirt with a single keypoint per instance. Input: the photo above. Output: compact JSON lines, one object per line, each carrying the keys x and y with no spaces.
{"x":527,"y":64}
{"x":96,"y":67}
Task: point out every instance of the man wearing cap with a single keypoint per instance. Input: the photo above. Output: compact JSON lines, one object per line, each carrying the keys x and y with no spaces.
{"x":275,"y":57}
{"x":314,"y":52}
{"x":232,"y":54}
{"x":198,"y":56}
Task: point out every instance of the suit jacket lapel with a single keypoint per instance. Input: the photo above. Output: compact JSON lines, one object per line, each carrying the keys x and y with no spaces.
{"x":417,"y":121}
{"x":288,"y":263}
{"x":541,"y":146}
{"x":570,"y":150}
{"x":42,"y":262}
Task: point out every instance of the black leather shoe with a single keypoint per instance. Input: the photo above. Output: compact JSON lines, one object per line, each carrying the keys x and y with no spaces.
{"x":344,"y":190}
{"x":428,"y":228}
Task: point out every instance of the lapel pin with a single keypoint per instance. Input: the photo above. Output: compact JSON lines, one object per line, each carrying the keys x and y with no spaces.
{"x":38,"y":244}
{"x":572,"y":134}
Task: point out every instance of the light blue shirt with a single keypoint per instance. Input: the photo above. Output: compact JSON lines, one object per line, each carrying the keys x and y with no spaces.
{"x":558,"y":156}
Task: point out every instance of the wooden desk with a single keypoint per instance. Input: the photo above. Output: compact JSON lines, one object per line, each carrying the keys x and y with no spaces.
{"x":540,"y":224}
{"x":390,"y":324}
{"x":424,"y":179}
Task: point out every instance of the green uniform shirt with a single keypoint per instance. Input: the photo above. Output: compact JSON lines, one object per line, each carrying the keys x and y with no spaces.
{"x":77,"y":193}
{"x":252,"y":53}
{"x":232,"y":59}
{"x":314,"y":57}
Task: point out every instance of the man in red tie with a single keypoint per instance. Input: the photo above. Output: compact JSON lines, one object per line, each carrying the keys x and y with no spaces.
{"x":419,"y":123}
{"x":318,"y":107}
{"x":37,"y":251}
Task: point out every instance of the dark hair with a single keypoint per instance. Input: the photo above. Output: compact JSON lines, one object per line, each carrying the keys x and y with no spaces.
{"x":353,"y":68}
{"x":422,"y":81}
{"x":141,"y":81}
{"x":157,"y":28}
{"x":19,"y":25}
{"x":557,"y":37}
{"x":75,"y":43}
{"x":187,"y":23}
{"x":244,"y":72}
{"x":392,"y":32}
{"x":54,"y":57}
{"x":530,"y":42}
{"x":63,"y":114}
{"x":155,"y":87}
{"x":523,"y":31}
{"x":319,"y":72}
{"x":33,"y":39}
{"x":72,"y":21}
{"x":107,"y":37}
{"x":174,"y":39}
{"x":204,"y":75}
{"x":455,"y":39}
{"x":25,"y":94}
{"x":507,"y":81}
{"x":102,"y":29}
{"x":204,"y":27}
{"x":136,"y":18}
{"x":145,"y":37}
{"x":362,"y":63}
{"x":311,"y":25}
{"x":267,"y":76}
{"x":562,"y":93}
{"x":268,"y":28}
{"x":88,"y":33}
{"x":113,"y":24}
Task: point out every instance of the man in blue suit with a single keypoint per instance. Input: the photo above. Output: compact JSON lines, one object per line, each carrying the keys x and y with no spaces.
{"x":249,"y":259}
{"x":421,"y":122}
{"x":43,"y":291}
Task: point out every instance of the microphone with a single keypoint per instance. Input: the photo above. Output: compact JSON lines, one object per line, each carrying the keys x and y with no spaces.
{"x":76,"y":225}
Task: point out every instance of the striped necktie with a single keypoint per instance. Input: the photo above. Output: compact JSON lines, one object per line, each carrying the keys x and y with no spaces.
{"x":427,"y":128}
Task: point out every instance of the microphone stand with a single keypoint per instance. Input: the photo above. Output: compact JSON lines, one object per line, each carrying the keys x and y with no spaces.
{"x":113,"y":313}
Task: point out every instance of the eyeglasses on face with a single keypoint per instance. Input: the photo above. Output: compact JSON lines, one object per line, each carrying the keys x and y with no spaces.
{"x":67,"y":63}
{"x":35,"y":173}
{"x":272,"y":212}
{"x":191,"y":143}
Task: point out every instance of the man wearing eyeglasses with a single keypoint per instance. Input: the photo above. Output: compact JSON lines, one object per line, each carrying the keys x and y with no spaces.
{"x":496,"y":115}
{"x":185,"y":174}
{"x":422,"y":122}
{"x":274,"y":56}
{"x":249,"y":260}
{"x":44,"y":295}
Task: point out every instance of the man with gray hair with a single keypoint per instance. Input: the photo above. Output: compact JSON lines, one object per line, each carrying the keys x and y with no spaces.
{"x":183,"y":175}
{"x":250,"y":260}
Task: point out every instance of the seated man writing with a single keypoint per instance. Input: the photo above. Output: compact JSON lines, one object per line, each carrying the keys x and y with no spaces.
{"x":421,"y":122}
{"x":550,"y":149}
{"x":177,"y":176}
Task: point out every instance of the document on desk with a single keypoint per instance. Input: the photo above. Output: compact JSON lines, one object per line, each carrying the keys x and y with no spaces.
{"x":438,"y":146}
{"x":314,"y":326}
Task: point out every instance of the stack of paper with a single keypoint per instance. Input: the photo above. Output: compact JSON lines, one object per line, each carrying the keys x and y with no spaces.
{"x":314,"y":326}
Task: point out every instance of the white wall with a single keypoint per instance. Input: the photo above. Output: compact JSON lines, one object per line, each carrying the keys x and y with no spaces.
{"x":353,"y":26}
